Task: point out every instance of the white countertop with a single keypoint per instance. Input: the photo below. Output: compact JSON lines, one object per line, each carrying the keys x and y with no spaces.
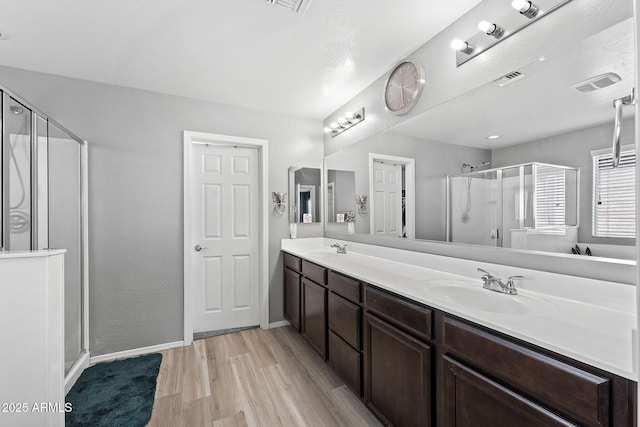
{"x":587,"y":320}
{"x":31,"y":254}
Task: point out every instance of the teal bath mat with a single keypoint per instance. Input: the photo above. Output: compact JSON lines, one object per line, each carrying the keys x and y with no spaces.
{"x":119,"y":393}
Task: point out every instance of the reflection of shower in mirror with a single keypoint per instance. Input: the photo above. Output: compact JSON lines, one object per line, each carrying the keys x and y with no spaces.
{"x":19,"y":152}
{"x":467,"y":168}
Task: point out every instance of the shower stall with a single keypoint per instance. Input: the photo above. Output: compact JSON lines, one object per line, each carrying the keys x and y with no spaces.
{"x":43,"y":184}
{"x":527,"y":206}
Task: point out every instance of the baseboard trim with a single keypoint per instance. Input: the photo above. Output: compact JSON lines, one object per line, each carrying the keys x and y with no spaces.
{"x":134,"y":352}
{"x":278,"y":324}
{"x":76,"y":370}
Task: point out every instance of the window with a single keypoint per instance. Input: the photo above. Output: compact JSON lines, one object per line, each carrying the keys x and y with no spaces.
{"x":550,"y":196}
{"x":614,"y":194}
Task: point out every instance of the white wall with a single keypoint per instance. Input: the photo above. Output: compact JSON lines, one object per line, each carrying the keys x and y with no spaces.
{"x":135,"y":195}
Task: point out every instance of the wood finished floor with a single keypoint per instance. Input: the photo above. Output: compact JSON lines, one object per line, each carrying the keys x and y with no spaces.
{"x":253,"y":378}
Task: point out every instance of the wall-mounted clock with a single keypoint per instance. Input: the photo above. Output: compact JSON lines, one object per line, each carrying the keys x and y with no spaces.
{"x":404,"y":87}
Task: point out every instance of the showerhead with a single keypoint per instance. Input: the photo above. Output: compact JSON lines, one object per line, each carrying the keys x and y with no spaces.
{"x":470,"y":168}
{"x":16,"y":110}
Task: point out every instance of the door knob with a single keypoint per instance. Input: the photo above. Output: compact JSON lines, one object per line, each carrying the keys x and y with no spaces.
{"x":199,"y":248}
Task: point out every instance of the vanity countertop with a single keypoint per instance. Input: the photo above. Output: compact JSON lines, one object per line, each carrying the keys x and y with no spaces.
{"x":31,"y":254}
{"x":587,"y":320}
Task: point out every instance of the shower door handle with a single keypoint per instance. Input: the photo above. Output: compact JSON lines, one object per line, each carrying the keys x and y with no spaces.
{"x":199,"y":248}
{"x":617,"y":128}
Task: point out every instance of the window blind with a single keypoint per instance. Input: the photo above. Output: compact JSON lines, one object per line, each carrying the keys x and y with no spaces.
{"x":550,"y":196}
{"x":614,"y":195}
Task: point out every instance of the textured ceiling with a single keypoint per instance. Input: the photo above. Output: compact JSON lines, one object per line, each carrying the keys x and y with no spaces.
{"x":238,"y":52}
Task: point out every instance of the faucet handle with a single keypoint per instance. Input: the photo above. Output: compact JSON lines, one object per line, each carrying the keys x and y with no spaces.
{"x":511,"y":287}
{"x":484,"y":271}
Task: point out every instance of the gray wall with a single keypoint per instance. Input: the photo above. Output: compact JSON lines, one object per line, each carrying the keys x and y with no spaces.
{"x":345,"y":191}
{"x":434,"y":160}
{"x":135,"y":195}
{"x":571,"y":149}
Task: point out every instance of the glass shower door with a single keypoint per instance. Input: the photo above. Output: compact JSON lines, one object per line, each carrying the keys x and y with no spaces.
{"x":17,"y":187}
{"x":473,"y":214}
{"x":65,"y":231}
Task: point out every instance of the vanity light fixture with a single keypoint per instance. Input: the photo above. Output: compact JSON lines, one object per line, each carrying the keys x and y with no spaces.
{"x":526,"y":8}
{"x":462,"y":46}
{"x":350,"y":119}
{"x":490,"y":29}
{"x":509,"y":25}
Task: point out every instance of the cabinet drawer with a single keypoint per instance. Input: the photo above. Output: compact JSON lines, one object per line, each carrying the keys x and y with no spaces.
{"x":344,"y":319}
{"x":346,"y":362}
{"x":293,"y":262}
{"x":472,"y":400}
{"x":578,"y":394}
{"x":345,"y":286}
{"x":314,"y":272}
{"x":411,"y":317}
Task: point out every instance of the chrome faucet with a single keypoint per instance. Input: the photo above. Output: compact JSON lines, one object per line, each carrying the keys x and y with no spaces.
{"x":341,"y":249}
{"x":493,"y":283}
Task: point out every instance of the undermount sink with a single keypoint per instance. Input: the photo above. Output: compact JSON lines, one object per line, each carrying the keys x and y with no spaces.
{"x":489,"y":301}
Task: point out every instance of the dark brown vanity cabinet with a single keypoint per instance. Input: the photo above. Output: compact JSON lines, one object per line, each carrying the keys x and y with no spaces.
{"x":345,"y":343}
{"x":473,"y":400}
{"x":314,"y":306}
{"x":416,"y":366}
{"x":292,"y":290}
{"x":522,"y":386}
{"x":398,"y":378}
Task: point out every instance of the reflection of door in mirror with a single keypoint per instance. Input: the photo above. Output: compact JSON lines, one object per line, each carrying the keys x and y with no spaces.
{"x":305,"y":196}
{"x":392,"y":183}
{"x":304,"y":188}
{"x":387,"y":192}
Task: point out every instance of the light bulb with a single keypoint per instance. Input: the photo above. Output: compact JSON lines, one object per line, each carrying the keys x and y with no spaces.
{"x":463,"y":47}
{"x":342,"y":121}
{"x":334,"y":126}
{"x":458,"y":44}
{"x":521,"y":5}
{"x":327,"y":130}
{"x":486,"y":26}
{"x":349,"y":115}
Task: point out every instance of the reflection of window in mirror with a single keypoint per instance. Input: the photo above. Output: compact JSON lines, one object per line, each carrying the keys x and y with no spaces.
{"x":614,"y":192}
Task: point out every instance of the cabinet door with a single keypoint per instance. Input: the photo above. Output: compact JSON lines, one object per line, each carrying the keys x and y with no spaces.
{"x":345,"y":360}
{"x":472,"y":400}
{"x":292,"y":298}
{"x":314,"y":312}
{"x":397,"y":377}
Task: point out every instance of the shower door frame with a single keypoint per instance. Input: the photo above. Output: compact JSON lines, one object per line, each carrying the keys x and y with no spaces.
{"x":82,"y":361}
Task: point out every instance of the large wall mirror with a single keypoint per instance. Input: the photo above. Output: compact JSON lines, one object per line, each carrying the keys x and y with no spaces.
{"x":524,"y":165}
{"x":304,"y":191}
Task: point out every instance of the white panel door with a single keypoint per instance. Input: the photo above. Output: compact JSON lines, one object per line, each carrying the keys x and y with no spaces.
{"x":225,"y":237}
{"x":387,"y":187}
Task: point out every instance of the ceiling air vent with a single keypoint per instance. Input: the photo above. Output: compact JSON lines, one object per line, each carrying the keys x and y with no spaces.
{"x":508,"y":78}
{"x":597,"y":82}
{"x":296,"y":6}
